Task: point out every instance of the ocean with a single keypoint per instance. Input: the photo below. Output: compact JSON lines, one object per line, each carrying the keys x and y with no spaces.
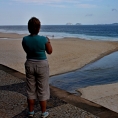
{"x":88,"y":32}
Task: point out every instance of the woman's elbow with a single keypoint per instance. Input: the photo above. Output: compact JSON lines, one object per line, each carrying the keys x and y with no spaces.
{"x":49,"y":51}
{"x":48,"y":48}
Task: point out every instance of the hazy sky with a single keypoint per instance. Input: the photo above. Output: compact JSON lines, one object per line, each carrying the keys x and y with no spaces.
{"x":58,"y":12}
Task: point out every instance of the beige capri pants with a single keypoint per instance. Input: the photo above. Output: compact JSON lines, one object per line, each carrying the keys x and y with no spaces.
{"x":37,"y":79}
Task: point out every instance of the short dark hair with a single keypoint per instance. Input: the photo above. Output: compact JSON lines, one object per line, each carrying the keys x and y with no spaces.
{"x":34,"y":25}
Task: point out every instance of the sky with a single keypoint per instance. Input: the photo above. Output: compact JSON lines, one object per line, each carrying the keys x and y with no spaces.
{"x":59,"y":12}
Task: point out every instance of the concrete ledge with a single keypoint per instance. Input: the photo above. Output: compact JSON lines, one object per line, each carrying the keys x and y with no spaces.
{"x":13,"y":72}
{"x":77,"y":101}
{"x":84,"y":104}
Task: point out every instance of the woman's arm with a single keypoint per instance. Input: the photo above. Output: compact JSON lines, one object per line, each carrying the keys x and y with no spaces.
{"x":48,"y":46}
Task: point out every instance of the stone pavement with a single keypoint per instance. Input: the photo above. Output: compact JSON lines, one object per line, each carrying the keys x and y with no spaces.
{"x":13,"y":101}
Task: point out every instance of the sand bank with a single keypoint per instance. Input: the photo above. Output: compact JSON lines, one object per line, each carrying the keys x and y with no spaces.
{"x":11,"y":35}
{"x":68,"y":54}
{"x":105,"y":95}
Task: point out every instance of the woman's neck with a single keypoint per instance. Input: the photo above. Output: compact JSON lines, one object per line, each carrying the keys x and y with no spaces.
{"x":33,"y":34}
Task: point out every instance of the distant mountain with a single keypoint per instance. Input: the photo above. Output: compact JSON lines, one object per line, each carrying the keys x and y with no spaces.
{"x":115,"y":24}
{"x":107,"y":24}
{"x":69,"y":24}
{"x":78,"y":24}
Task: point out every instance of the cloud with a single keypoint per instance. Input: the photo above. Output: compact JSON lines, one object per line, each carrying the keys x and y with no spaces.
{"x":89,"y":15}
{"x":59,"y":3}
{"x":114,"y":10}
{"x":46,"y":1}
{"x":56,"y":2}
{"x":86,"y":5}
{"x":52,"y":3}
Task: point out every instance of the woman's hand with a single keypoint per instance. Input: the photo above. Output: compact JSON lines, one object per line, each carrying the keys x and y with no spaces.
{"x":48,"y":39}
{"x":48,"y":46}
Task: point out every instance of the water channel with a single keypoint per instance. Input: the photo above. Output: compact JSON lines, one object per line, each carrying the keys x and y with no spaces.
{"x":103,"y":71}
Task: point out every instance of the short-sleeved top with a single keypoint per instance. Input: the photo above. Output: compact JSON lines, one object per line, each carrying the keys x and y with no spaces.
{"x":34,"y":47}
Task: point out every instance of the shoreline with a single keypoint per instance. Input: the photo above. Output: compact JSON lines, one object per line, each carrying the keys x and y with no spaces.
{"x":11,"y":35}
{"x":101,"y":55}
{"x":92,"y":61}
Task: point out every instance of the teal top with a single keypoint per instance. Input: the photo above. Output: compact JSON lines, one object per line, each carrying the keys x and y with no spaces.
{"x":34,"y":47}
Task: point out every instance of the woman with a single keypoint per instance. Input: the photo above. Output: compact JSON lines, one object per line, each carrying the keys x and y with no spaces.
{"x":36,"y":67}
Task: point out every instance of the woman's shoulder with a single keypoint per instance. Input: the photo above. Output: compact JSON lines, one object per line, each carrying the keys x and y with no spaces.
{"x":25,"y":37}
{"x":41,"y":36}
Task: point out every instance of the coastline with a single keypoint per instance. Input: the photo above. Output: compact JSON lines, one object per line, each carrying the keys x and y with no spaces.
{"x":75,"y":53}
{"x":11,"y":35}
{"x":68,"y":54}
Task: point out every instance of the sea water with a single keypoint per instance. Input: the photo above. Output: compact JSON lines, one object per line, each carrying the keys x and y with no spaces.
{"x":89,"y":32}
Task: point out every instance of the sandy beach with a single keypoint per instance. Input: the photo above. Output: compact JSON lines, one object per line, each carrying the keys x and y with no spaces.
{"x":68,"y":54}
